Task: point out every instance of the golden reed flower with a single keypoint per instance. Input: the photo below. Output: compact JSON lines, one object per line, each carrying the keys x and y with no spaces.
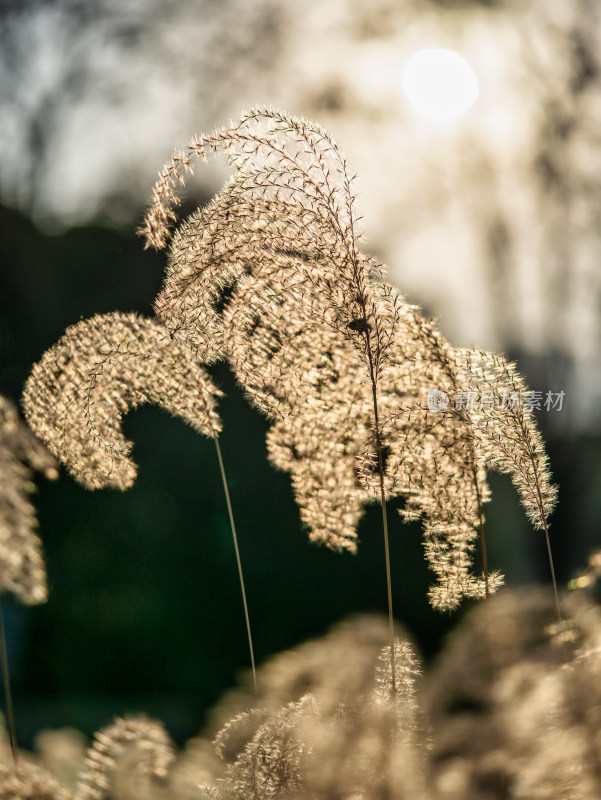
{"x":270,"y":277}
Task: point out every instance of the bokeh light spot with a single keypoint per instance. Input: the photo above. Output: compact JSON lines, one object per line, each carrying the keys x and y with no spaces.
{"x":440,"y":84}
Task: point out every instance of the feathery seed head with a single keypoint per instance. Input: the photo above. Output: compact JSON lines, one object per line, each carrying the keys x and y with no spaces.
{"x":78,"y":393}
{"x":269,"y":276}
{"x":22,"y":569}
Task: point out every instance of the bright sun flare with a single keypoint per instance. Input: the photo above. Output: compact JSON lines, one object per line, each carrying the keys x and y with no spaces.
{"x":440,"y":83}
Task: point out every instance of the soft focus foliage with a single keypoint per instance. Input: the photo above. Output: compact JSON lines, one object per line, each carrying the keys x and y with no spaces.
{"x":128,"y":754}
{"x":27,"y":781}
{"x":510,"y":709}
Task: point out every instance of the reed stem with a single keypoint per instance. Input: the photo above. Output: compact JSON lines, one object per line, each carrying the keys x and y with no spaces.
{"x":238,"y":560}
{"x":554,"y":581}
{"x":384,"y":525}
{"x":484,"y":554}
{"x":8,"y":700}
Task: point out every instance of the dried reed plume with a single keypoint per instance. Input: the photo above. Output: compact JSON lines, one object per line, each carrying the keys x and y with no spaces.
{"x":327,"y":725}
{"x":78,"y":393}
{"x":22,"y":569}
{"x":270,"y":277}
{"x":505,"y":429}
{"x":29,"y":781}
{"x":131,"y":751}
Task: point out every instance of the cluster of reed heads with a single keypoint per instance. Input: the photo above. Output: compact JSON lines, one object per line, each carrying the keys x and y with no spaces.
{"x":269,"y":277}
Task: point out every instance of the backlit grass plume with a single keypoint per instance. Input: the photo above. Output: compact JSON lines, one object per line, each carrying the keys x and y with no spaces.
{"x":367,"y":402}
{"x":78,"y":393}
{"x":327,"y":725}
{"x":126,"y":757}
{"x":503,"y":425}
{"x":290,"y":203}
{"x":270,"y":276}
{"x":22,"y":569}
{"x":28,"y":781}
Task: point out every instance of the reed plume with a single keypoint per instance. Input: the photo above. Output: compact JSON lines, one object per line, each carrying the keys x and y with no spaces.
{"x":327,"y":724}
{"x":136,"y":751}
{"x":350,"y":734}
{"x":29,"y":781}
{"x":507,"y":436}
{"x":22,"y":568}
{"x":295,"y":166}
{"x":504,"y":427}
{"x":270,"y":276}
{"x":77,"y":394}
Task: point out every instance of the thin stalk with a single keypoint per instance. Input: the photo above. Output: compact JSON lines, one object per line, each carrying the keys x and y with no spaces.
{"x":8,"y":700}
{"x":482,"y":537}
{"x":387,"y":559}
{"x":543,"y":517}
{"x":374,"y":386}
{"x":238,"y":561}
{"x":555,"y":591}
{"x":484,"y":561}
{"x":484,"y":555}
{"x":384,"y":524}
